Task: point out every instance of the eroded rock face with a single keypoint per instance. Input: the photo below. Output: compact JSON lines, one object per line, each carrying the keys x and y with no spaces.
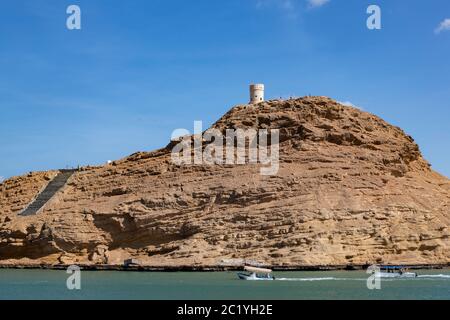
{"x":351,"y":189}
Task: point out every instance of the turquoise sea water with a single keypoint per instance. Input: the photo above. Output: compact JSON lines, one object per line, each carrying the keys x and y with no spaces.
{"x":47,"y":284}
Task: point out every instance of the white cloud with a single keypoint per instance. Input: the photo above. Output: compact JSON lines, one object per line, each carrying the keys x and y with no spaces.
{"x":290,"y":7}
{"x":317,"y":3}
{"x":349,"y":104}
{"x":443,"y":26}
{"x":2,"y":179}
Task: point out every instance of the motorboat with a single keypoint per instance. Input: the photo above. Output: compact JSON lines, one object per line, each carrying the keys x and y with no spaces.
{"x":253,"y":273}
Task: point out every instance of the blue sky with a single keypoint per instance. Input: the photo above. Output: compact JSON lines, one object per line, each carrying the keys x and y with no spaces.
{"x":139,"y":69}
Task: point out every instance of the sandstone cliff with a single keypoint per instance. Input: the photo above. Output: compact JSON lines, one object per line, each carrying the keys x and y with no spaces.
{"x":351,"y":189}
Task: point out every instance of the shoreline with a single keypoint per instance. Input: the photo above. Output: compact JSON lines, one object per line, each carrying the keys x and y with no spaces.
{"x":212,"y":268}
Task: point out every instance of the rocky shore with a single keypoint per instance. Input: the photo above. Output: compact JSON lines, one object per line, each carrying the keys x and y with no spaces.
{"x":91,"y":267}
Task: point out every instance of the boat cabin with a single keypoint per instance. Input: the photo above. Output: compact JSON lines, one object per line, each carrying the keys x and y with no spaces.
{"x":254,"y":273}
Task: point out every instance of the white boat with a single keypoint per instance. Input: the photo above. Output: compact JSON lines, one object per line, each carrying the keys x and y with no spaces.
{"x":397,"y":275}
{"x":254,"y":273}
{"x":395,"y":272}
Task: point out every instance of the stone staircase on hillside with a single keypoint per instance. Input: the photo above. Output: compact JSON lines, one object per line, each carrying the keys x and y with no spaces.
{"x":52,"y":188}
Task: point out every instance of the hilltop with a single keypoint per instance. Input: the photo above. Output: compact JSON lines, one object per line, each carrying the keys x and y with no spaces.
{"x":351,"y":189}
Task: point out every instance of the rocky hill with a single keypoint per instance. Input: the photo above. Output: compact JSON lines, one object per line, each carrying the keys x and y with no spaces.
{"x":351,"y":189}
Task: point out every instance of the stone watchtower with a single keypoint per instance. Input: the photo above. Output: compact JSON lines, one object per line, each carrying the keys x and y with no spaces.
{"x":256,"y":93}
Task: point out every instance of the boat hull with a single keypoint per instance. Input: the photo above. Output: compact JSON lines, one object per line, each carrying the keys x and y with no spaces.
{"x":253,"y":277}
{"x":398,"y":275}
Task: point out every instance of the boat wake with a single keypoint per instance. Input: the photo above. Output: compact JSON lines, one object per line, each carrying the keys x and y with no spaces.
{"x":441,"y":276}
{"x":424,"y":276}
{"x":318,"y":279}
